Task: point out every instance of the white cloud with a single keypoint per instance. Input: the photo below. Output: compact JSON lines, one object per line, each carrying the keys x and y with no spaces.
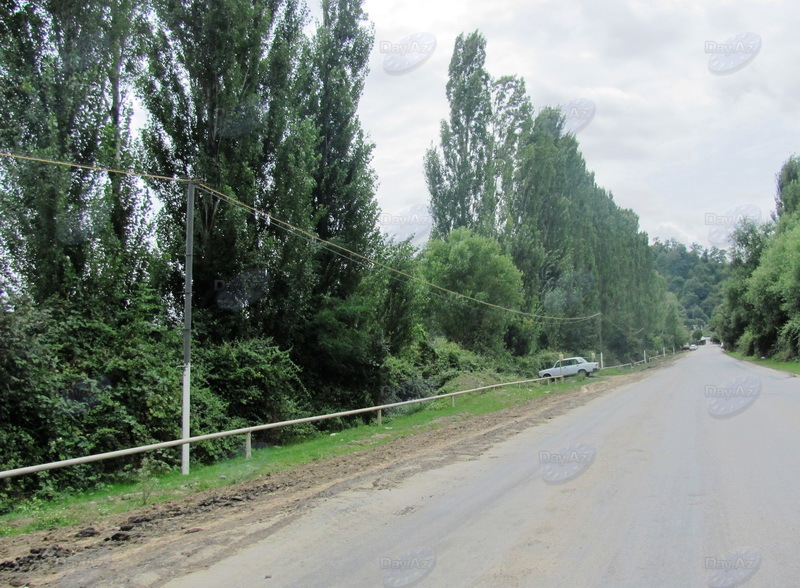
{"x":669,"y":139}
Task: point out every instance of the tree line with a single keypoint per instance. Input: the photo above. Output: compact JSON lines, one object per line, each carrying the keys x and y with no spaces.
{"x":695,"y":276}
{"x":760,"y":311}
{"x":513,"y":177}
{"x":529,"y":257}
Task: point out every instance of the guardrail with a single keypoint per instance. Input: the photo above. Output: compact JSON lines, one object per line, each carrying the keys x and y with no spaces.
{"x":648,"y":359}
{"x":248,"y":431}
{"x":611,"y":367}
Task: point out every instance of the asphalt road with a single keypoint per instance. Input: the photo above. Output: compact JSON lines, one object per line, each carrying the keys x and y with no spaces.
{"x":687,"y":478}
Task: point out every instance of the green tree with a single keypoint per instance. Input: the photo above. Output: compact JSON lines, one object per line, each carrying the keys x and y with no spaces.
{"x":461,"y":178}
{"x":512,"y":121}
{"x":63,"y":92}
{"x":507,"y":174}
{"x":534,"y":210}
{"x":340,"y":345}
{"x":343,"y":202}
{"x":397,"y":296}
{"x":760,"y":310}
{"x":787,"y":200}
{"x":674,"y":333}
{"x":732,"y":317}
{"x":474,"y":266}
{"x":773,"y":293}
{"x":220,"y":94}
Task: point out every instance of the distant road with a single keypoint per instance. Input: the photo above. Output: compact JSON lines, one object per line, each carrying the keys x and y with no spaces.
{"x":690,"y":477}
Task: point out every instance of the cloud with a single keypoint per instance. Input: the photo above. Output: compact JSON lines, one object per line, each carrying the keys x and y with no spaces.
{"x":669,"y":139}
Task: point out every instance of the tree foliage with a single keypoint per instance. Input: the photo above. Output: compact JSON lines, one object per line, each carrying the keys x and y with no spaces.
{"x":63,"y":96}
{"x":695,"y":275}
{"x":299,"y":306}
{"x":460,"y":178}
{"x":760,"y":312}
{"x":517,"y":178}
{"x":473,"y":266}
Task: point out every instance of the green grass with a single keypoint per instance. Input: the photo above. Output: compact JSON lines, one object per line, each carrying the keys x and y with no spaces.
{"x":786,"y":366}
{"x":83,"y":508}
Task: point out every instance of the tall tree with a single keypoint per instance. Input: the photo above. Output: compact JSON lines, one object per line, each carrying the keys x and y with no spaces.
{"x":461,"y":178}
{"x":787,"y":199}
{"x":512,"y":122}
{"x":749,"y":240}
{"x":537,"y":209}
{"x":219,"y":91}
{"x":773,"y":294}
{"x":340,"y":345}
{"x":343,"y":195}
{"x":508,"y":175}
{"x":56,"y":91}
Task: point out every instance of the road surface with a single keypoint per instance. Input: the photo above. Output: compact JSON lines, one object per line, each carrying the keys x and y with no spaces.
{"x":687,"y":478}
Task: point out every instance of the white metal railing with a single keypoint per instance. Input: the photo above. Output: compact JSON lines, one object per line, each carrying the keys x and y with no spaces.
{"x":611,"y":367}
{"x":245,"y":431}
{"x":648,"y":359}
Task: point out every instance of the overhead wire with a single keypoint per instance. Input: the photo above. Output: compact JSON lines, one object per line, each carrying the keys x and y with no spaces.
{"x":328,"y":245}
{"x":366,"y":259}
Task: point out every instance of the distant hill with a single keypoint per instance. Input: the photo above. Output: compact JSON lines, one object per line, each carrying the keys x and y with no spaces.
{"x":694,"y":275}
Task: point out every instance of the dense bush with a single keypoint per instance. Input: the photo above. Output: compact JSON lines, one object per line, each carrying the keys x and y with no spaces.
{"x":402,"y":381}
{"x":258,"y":383}
{"x":75,"y":386}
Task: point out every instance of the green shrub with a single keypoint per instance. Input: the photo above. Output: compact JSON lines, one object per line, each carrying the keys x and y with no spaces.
{"x":258,"y":383}
{"x":402,"y":380}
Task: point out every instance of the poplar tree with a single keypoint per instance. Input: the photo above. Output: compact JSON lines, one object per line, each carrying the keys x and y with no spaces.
{"x":460,"y":175}
{"x":220,"y":94}
{"x":62,"y":92}
{"x":343,"y":193}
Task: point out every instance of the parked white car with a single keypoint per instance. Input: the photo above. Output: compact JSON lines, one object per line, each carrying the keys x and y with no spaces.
{"x":570,"y":367}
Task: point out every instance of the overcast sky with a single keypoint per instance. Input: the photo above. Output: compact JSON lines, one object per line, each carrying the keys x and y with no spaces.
{"x":684,"y":135}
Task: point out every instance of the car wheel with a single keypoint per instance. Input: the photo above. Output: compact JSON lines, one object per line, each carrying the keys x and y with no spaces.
{"x":582,"y":373}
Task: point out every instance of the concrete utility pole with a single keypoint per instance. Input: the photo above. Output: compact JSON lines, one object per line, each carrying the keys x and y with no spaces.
{"x":600,"y":331}
{"x":187,"y":326}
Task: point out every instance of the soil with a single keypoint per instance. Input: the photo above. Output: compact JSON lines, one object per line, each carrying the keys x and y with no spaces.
{"x":153,"y":544}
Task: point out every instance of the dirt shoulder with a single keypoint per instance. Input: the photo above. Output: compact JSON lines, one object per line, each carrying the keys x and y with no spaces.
{"x":151,"y":545}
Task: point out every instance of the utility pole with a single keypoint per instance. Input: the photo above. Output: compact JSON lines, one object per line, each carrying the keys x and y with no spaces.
{"x":600,"y":330}
{"x":187,"y":327}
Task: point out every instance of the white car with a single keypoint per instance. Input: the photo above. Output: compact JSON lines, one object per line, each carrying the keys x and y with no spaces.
{"x":570,"y":367}
{"x":692,"y":347}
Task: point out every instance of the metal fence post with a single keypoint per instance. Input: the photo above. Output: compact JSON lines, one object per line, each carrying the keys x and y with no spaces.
{"x":248,"y":445}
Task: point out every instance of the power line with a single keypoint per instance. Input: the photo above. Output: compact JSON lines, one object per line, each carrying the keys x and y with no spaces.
{"x":92,"y":167}
{"x":299,"y":232}
{"x":291,"y":227}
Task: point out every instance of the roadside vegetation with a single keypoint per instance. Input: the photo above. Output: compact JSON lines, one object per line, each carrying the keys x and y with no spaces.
{"x":301,"y":304}
{"x":760,"y":313}
{"x":152,"y":483}
{"x":775,"y":364}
